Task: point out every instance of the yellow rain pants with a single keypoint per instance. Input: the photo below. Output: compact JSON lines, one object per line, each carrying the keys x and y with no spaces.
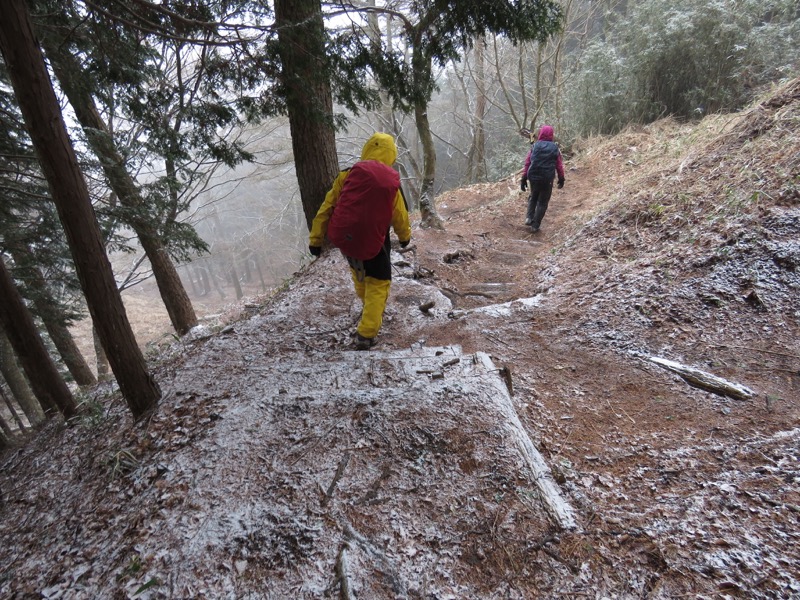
{"x":372,"y":279}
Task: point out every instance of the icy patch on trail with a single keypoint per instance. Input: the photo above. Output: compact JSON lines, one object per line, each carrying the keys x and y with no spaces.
{"x":506,"y":309}
{"x":357,"y":451}
{"x":401,"y":471}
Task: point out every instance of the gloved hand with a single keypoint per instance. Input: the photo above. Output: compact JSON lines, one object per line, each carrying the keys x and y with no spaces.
{"x":560,"y":183}
{"x":406,"y":243}
{"x":523,"y":185}
{"x":315,"y":250}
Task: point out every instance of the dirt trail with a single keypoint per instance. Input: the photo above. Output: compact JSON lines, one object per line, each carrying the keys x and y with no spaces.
{"x":677,"y":492}
{"x":676,"y":484}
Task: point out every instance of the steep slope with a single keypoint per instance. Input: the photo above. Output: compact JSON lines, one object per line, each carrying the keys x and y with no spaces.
{"x":281,"y":463}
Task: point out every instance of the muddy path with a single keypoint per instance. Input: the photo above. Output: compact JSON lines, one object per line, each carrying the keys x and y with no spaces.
{"x":698,"y":488}
{"x":280,"y":459}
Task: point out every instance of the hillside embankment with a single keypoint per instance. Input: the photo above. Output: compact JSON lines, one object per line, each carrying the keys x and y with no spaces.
{"x":513,"y":435}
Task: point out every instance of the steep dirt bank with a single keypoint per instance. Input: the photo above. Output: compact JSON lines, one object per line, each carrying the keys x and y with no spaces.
{"x":282,"y":464}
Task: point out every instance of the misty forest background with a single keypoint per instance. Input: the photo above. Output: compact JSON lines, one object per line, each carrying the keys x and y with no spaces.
{"x":207,"y":134}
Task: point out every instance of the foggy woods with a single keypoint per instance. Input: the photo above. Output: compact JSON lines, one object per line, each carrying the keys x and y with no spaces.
{"x":160,"y":313}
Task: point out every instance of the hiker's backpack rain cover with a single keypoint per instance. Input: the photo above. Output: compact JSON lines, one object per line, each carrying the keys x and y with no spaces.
{"x":363,"y":212}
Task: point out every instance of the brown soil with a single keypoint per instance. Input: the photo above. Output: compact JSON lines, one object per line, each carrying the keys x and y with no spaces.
{"x":670,"y":241}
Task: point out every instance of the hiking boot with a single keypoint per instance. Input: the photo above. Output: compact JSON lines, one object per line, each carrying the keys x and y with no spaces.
{"x":364,"y":343}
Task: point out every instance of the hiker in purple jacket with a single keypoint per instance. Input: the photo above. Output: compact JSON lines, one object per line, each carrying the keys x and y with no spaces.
{"x":541,"y":166}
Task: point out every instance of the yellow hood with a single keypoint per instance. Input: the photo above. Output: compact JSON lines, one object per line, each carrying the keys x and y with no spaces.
{"x":380,"y":147}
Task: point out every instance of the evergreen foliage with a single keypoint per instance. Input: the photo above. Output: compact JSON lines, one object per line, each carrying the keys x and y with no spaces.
{"x":686,"y":59}
{"x":30,"y":232}
{"x":438,"y":32}
{"x":148,"y":70}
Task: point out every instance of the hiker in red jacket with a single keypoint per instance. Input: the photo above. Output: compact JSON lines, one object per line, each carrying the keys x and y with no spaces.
{"x":541,"y":166}
{"x":355,"y":217}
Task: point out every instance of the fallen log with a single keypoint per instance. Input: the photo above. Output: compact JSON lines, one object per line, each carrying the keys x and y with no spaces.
{"x":539,"y":473}
{"x":703,"y":380}
{"x":342,"y":573}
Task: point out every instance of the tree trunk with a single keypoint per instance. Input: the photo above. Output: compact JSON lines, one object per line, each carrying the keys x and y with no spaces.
{"x":212,"y":275}
{"x":103,"y":370}
{"x":477,"y":152}
{"x":387,"y":115}
{"x":17,"y":322}
{"x":68,"y":350}
{"x":75,"y":85}
{"x":259,"y":270}
{"x":234,"y":273}
{"x":427,"y":205}
{"x":173,"y":294}
{"x":247,"y":276}
{"x":301,"y":44}
{"x":508,"y":96}
{"x":45,"y":124}
{"x":46,"y":309}
{"x":539,"y":66}
{"x":385,"y":112}
{"x":203,"y":271}
{"x":5,"y":442}
{"x":15,"y":379}
{"x":14,"y":415}
{"x":191,"y":274}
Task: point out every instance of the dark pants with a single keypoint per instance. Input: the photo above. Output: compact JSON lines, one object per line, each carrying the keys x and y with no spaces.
{"x":378,"y":267}
{"x":538,"y":201}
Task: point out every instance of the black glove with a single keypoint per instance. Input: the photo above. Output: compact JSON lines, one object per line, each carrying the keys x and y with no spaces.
{"x":406,"y":243}
{"x":560,"y":183}
{"x":315,"y":250}
{"x":523,"y":185}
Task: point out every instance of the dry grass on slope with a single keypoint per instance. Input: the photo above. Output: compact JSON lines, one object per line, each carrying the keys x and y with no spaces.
{"x":719,"y":174}
{"x":699,"y":226}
